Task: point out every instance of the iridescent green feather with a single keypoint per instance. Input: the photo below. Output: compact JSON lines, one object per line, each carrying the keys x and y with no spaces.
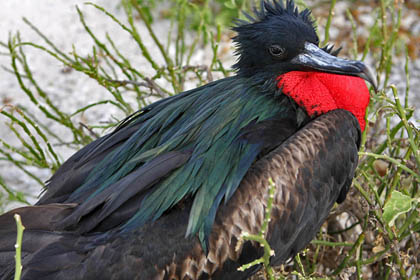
{"x":207,"y":121}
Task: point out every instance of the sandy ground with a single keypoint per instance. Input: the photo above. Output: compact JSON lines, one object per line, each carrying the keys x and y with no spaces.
{"x":58,"y":20}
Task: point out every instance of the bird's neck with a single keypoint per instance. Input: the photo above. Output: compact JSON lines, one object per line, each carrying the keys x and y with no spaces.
{"x":319,"y":93}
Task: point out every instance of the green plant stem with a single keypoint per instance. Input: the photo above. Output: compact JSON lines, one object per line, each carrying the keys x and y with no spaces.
{"x":268,"y":253}
{"x":400,"y":109}
{"x":394,"y":161}
{"x":331,"y":244}
{"x":18,"y":246}
{"x":401,"y":269}
{"x":356,"y":246}
{"x":328,"y":24}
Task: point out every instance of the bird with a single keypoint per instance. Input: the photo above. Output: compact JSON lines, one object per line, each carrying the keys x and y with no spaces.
{"x":169,"y":192}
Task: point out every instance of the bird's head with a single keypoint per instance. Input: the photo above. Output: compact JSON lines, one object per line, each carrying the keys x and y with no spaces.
{"x":281,"y":42}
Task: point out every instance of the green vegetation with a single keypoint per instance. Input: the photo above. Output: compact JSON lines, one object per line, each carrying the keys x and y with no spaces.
{"x":378,"y":234}
{"x":18,"y":246}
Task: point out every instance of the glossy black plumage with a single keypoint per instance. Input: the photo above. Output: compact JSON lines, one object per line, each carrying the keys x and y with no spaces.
{"x":310,"y":154}
{"x":168,"y":193}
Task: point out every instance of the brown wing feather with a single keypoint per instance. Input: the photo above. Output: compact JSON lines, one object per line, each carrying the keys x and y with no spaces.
{"x":310,"y":170}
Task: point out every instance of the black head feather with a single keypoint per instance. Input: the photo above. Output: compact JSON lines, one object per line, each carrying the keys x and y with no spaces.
{"x":272,"y":36}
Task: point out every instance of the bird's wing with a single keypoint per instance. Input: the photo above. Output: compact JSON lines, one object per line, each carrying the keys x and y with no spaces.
{"x":38,"y":222}
{"x":131,"y":187}
{"x":312,"y":170}
{"x":308,"y":181}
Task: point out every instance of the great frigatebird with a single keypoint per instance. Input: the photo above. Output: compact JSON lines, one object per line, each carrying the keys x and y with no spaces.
{"x":169,"y":192}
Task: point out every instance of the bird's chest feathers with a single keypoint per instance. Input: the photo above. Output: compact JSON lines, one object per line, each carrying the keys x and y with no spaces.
{"x":319,"y":93}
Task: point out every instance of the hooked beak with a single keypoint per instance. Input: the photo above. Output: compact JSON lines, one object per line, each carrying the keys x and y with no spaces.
{"x":314,"y":58}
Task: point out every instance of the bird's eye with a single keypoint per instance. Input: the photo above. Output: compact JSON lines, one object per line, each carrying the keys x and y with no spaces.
{"x":276,"y":50}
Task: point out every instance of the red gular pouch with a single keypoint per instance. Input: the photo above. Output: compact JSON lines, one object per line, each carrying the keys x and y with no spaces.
{"x":319,"y":92}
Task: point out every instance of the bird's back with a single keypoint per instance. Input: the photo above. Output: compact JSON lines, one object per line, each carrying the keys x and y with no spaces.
{"x":199,"y":144}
